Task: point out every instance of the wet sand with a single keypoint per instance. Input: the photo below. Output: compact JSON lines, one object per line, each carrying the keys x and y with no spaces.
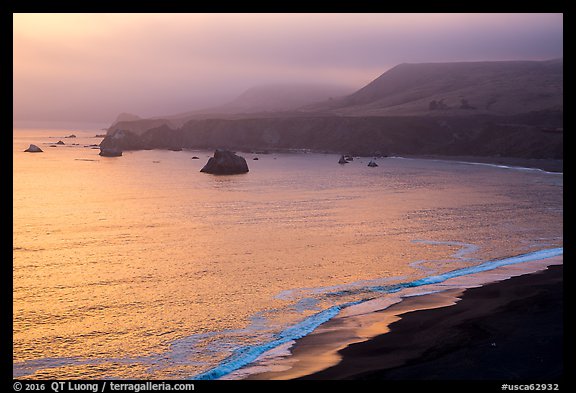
{"x":503,"y":330}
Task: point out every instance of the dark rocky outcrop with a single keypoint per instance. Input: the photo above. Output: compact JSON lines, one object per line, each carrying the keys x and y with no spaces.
{"x":372,"y":164}
{"x":33,"y":149}
{"x":342,"y":160}
{"x":110,"y":152}
{"x":60,"y":143}
{"x":225,"y":162}
{"x":475,"y":135}
{"x":157,"y":138}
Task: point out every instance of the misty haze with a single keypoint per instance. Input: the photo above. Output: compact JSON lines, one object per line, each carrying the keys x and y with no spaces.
{"x":288,"y":196}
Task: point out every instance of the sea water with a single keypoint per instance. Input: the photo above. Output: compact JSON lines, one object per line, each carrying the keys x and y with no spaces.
{"x":141,"y":267}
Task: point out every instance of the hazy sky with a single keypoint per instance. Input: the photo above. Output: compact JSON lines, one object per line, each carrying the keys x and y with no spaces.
{"x":90,"y":67}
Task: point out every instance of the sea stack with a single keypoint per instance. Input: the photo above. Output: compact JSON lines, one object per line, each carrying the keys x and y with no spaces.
{"x":110,"y":152}
{"x":225,"y":162}
{"x":342,"y":160}
{"x":33,"y":149}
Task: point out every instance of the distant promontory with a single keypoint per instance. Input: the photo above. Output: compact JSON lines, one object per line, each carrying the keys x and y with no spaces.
{"x":508,"y":109}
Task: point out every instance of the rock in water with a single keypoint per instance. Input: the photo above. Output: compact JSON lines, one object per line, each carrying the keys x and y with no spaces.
{"x":225,"y":162}
{"x":34,"y":149}
{"x":109,"y":152}
{"x":60,"y":143}
{"x":342,"y":160}
{"x":372,"y":163}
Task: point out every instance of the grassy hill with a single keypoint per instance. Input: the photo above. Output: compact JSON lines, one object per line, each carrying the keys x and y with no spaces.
{"x":500,"y":88}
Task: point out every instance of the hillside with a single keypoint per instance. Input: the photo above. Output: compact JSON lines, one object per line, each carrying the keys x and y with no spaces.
{"x":489,"y":109}
{"x":260,"y":101}
{"x":499,"y":88}
{"x":280,"y":98}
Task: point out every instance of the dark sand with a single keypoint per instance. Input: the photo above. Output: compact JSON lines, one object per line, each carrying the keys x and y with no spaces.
{"x":508,"y":330}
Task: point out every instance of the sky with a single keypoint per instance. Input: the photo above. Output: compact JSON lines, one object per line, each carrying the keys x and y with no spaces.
{"x":91,"y":67}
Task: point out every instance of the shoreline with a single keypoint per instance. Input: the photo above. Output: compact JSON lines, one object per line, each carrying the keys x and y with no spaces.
{"x":383,"y":342}
{"x":544,"y":164}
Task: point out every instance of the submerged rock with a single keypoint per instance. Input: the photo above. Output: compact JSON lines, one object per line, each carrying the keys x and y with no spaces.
{"x":109,"y":152}
{"x":372,"y":163}
{"x":195,"y":158}
{"x":33,"y":149}
{"x":225,"y":162}
{"x":342,"y":160}
{"x":70,"y":136}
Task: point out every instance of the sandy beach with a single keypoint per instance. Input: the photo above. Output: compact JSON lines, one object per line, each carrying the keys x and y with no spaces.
{"x":504,"y":324}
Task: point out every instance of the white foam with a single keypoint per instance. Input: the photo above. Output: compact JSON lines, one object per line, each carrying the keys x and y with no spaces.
{"x":517,"y":168}
{"x":249,"y":354}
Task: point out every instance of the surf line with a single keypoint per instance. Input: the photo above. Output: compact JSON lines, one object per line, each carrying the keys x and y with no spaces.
{"x":247,"y":354}
{"x":517,"y":168}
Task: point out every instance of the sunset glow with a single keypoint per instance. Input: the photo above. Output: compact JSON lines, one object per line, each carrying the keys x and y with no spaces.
{"x":90,"y":67}
{"x":281,"y":196}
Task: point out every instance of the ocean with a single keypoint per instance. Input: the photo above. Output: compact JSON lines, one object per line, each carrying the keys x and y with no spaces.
{"x":142,"y":267}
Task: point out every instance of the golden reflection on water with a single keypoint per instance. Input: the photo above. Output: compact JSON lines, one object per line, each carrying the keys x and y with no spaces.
{"x":115,"y":259}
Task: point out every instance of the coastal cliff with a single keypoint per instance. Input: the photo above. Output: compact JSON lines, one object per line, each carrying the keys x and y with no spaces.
{"x":526,"y":136}
{"x":508,"y":109}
